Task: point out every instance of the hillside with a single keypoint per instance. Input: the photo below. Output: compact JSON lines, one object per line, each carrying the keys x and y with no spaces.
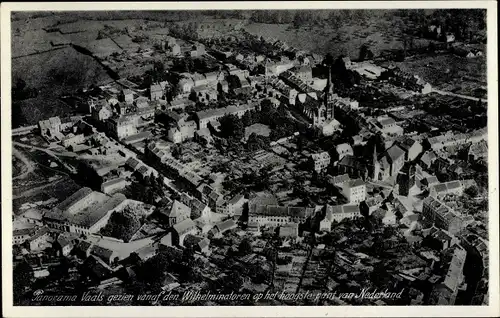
{"x":52,"y":74}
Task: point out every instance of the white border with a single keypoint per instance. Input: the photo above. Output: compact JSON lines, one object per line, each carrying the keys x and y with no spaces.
{"x":240,"y":311}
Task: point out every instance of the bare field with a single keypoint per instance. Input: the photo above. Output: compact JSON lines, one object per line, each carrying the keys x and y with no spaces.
{"x":60,"y":189}
{"x":18,"y":167}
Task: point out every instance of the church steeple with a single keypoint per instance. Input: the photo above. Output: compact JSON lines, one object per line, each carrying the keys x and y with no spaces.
{"x":375,"y":163}
{"x":330,"y":84}
{"x":328,"y":94}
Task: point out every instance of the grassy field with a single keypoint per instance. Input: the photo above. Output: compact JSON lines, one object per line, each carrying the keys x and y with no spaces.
{"x":379,"y":34}
{"x":53,"y":74}
{"x":56,"y":72}
{"x":66,"y":68}
{"x":449,"y":72}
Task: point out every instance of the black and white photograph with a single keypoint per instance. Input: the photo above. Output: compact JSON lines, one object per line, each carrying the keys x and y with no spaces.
{"x":256,"y":157}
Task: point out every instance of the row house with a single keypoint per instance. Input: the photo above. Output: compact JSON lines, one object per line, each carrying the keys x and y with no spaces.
{"x":274,"y":215}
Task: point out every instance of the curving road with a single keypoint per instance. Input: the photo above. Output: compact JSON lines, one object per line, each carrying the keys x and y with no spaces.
{"x":25,"y":161}
{"x":445,"y":93}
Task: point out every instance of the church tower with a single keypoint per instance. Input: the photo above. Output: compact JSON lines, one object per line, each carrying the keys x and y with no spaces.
{"x":328,"y":95}
{"x":375,"y":164}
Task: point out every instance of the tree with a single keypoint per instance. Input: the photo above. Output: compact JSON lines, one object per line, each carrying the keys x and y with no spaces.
{"x":188,"y":268}
{"x":173,"y":92}
{"x":328,"y":61}
{"x":246,"y":119}
{"x":189,"y":64}
{"x":266,"y":106}
{"x":20,"y":84}
{"x":232,"y":126}
{"x":122,"y":225}
{"x":22,"y":274}
{"x":158,"y":67}
{"x":297,"y":20}
{"x":245,"y":247}
{"x":365,"y":53}
{"x":472,"y":191}
{"x":101,"y":35}
{"x":152,"y":270}
{"x":256,"y":142}
{"x":177,"y":151}
{"x":233,"y":281}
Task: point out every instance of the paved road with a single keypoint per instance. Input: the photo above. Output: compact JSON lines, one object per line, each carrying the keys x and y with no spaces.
{"x":56,"y":155}
{"x":440,"y":92}
{"x":47,"y":150}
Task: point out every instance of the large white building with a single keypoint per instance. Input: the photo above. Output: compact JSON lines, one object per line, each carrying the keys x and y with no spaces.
{"x":320,"y":161}
{"x":354,"y":191}
{"x":338,"y":213}
{"x":235,"y":205}
{"x":182,"y":131}
{"x":84,"y":212}
{"x":274,"y":215}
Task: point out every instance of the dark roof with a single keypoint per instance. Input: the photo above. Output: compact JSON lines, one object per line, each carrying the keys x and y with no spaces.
{"x":63,"y":241}
{"x":113,"y":182}
{"x":74,"y":198}
{"x":132,"y":162}
{"x":214,"y":195}
{"x":440,"y":187}
{"x":179,"y":209}
{"x":204,"y":243}
{"x":84,"y":246}
{"x":197,"y":205}
{"x":343,"y":209}
{"x":41,"y":232}
{"x":97,"y":268}
{"x":226,"y":225}
{"x":142,"y":170}
{"x":395,"y":152}
{"x":339,"y":179}
{"x":236,"y":199}
{"x":386,"y":121}
{"x":103,"y":253}
{"x":206,"y":189}
{"x":26,"y":231}
{"x":355,"y":183}
{"x":275,"y":210}
{"x":406,"y":143}
{"x":351,"y":161}
{"x":441,"y":235}
{"x":453,"y":185}
{"x":184,"y":226}
{"x":90,"y":218}
{"x":192,"y":240}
